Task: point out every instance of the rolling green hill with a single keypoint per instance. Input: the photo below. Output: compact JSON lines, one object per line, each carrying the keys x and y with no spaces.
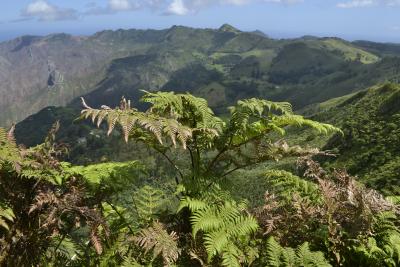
{"x":222,"y":65}
{"x":225,"y":65}
{"x":370,"y":147}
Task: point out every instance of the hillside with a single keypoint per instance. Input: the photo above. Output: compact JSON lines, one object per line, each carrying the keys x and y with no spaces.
{"x":208,"y":166}
{"x":227,"y":65}
{"x":370,"y":120}
{"x":222,"y":65}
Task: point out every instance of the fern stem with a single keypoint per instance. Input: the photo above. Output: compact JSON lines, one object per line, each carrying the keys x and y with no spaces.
{"x":172,"y":163}
{"x":121,"y":216}
{"x":59,"y":243}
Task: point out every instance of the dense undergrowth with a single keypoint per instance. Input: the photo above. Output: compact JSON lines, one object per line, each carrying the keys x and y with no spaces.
{"x":370,"y":121}
{"x":209,"y":197}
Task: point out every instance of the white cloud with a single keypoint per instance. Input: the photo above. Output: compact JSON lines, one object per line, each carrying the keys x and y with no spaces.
{"x":392,"y":2}
{"x":356,"y":3}
{"x":287,"y":2}
{"x":114,"y":6}
{"x":177,"y":7}
{"x":368,"y":3}
{"x":120,"y":5}
{"x":184,"y":7}
{"x":44,"y":11}
{"x":171,"y":7}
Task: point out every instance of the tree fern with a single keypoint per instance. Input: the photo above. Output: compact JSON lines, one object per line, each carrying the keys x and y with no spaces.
{"x":166,"y":118}
{"x":187,"y":120}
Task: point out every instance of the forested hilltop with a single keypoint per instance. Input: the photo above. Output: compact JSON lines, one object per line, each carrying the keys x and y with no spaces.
{"x":199,"y":147}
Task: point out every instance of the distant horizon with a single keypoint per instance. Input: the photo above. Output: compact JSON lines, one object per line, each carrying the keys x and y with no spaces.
{"x":372,"y":20}
{"x":271,"y":34}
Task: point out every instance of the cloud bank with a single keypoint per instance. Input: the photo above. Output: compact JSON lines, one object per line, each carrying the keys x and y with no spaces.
{"x":172,"y":7}
{"x":44,"y":11}
{"x":368,"y":3}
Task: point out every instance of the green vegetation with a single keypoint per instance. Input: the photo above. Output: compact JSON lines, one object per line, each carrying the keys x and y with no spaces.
{"x":211,"y":174}
{"x":109,"y":64}
{"x":198,"y":189}
{"x":369,"y":147}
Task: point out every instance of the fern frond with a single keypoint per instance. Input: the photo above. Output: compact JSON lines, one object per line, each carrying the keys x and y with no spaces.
{"x":215,"y":242}
{"x":274,"y":253}
{"x":222,"y":225}
{"x":6,"y":217}
{"x":280,"y":256}
{"x":300,"y":121}
{"x":284,"y":185}
{"x":9,"y":151}
{"x":230,"y":256}
{"x":156,"y":238}
{"x":148,"y":202}
{"x":193,"y":204}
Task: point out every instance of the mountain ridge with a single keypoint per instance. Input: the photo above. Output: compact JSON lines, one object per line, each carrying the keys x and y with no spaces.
{"x":56,"y":69}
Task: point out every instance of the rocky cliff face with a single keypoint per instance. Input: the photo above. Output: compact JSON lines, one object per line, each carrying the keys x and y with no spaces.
{"x":36,"y":72}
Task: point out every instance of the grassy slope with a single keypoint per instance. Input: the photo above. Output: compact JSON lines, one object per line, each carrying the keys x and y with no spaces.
{"x":224,"y":66}
{"x":303,"y":71}
{"x":369,"y":148}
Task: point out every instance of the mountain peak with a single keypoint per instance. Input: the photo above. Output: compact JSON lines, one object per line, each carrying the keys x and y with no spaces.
{"x":228,"y":28}
{"x":260,"y":33}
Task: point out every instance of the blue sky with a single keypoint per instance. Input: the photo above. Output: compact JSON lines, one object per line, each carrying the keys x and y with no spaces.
{"x":376,"y":20}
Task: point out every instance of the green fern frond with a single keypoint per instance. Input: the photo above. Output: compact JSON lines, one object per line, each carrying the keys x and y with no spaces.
{"x":193,"y":204}
{"x":148,"y":201}
{"x":9,"y":151}
{"x":394,"y":199}
{"x":278,"y":256}
{"x":164,"y":103}
{"x":130,"y":262}
{"x":230,"y":255}
{"x":300,"y":121}
{"x":6,"y":217}
{"x":130,"y":119}
{"x":222,"y":225}
{"x":183,"y":107}
{"x":274,"y":253}
{"x":205,"y":220}
{"x":305,"y":257}
{"x":284,"y":185}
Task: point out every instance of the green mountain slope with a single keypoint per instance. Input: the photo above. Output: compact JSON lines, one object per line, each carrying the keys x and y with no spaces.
{"x":370,"y":147}
{"x":222,"y":64}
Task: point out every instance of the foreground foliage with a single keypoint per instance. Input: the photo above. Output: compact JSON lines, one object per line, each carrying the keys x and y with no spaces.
{"x":42,"y":203}
{"x":123,"y":214}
